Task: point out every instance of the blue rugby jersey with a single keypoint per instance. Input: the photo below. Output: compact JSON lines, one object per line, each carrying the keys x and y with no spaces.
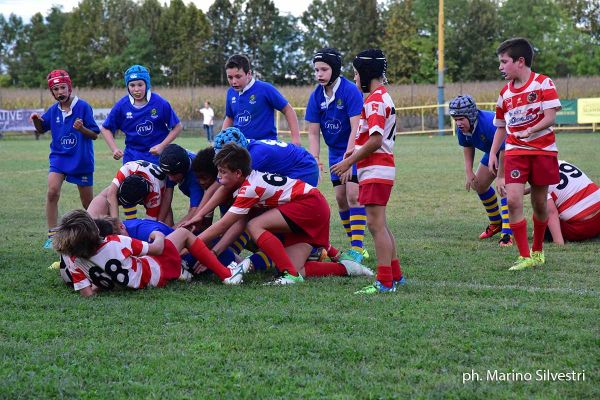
{"x":285,"y":159}
{"x":334,"y":118}
{"x":253,"y":111}
{"x":483,"y":134}
{"x":143,"y":127}
{"x":70,"y":151}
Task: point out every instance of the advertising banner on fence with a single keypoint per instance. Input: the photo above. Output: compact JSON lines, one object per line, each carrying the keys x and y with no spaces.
{"x":588,"y":111}
{"x":568,"y":114}
{"x":18,"y":120}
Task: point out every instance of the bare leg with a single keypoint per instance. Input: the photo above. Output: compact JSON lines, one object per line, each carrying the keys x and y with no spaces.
{"x":86,"y":195}
{"x":55,"y":181}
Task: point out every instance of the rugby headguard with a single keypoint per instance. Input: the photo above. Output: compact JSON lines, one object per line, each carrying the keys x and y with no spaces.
{"x":331,"y":57}
{"x":133,"y":191}
{"x":174,"y":160}
{"x":136,"y":73}
{"x":230,"y":135}
{"x":59,"y":76}
{"x":370,"y":64}
{"x":464,"y":106}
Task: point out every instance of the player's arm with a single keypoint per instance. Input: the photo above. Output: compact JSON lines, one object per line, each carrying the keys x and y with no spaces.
{"x":220,"y":196}
{"x":113,"y":202}
{"x":157,"y":244}
{"x":352,"y":138}
{"x":469,"y":156}
{"x":314,"y":142}
{"x":554,"y":223}
{"x":230,"y":236}
{"x":90,"y":134}
{"x":88,"y":291}
{"x":500,"y":181}
{"x":110,"y":141}
{"x":220,"y":227}
{"x":546,"y":122}
{"x":292,"y":121}
{"x":499,"y":137}
{"x":37,"y":122}
{"x":165,"y":204}
{"x":227,"y":122}
{"x":371,"y":145}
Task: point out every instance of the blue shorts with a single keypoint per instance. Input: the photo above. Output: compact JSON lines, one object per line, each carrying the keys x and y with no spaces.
{"x":335,"y":158}
{"x":485,"y":160}
{"x":134,"y":155}
{"x":77,"y":179}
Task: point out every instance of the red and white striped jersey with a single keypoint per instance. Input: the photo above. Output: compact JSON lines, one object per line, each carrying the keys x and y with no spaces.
{"x":153,"y":174}
{"x":119,"y":260}
{"x":576,"y":196}
{"x":377,"y":116}
{"x":266,"y":190}
{"x":522,"y":108}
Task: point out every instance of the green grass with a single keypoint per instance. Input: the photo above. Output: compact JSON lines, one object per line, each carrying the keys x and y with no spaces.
{"x":460,"y":311}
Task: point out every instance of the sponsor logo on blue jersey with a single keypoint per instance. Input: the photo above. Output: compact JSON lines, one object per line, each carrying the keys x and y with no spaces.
{"x":339,"y":104}
{"x":252,"y":99}
{"x":244,"y":118}
{"x":145,"y":128}
{"x":68,"y":141}
{"x":333,"y":126}
{"x":154,"y":113}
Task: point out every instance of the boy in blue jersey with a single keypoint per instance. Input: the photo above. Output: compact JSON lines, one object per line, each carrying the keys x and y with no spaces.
{"x":475,"y":130}
{"x":250,"y":104}
{"x":71,"y":122}
{"x":147,"y":120}
{"x":176,"y":162}
{"x":334,"y":109}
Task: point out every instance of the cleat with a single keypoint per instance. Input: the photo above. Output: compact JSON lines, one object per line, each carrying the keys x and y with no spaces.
{"x":353,"y":269}
{"x":246,"y":265}
{"x":318,"y":254}
{"x":399,"y":283}
{"x":351,"y":257}
{"x":55,"y":265}
{"x":365,"y":254}
{"x":505,"y":240}
{"x":376,"y":287}
{"x":539,"y":258}
{"x":48,"y":243}
{"x":237,"y":274}
{"x":490,"y":231}
{"x":286,"y":279}
{"x":523,"y":263}
{"x":186,"y":276}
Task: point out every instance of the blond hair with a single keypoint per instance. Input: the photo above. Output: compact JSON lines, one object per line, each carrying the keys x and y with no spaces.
{"x":77,"y":235}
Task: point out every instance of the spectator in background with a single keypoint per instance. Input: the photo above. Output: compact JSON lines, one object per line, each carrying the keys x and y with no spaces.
{"x":209,"y":120}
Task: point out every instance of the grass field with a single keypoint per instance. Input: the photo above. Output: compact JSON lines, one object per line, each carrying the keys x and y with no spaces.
{"x":461,"y":310}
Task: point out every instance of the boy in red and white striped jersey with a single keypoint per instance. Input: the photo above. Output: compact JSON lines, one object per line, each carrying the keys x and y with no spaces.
{"x":374,"y":157}
{"x":573,"y":206}
{"x":525,"y":114}
{"x":103,"y":263}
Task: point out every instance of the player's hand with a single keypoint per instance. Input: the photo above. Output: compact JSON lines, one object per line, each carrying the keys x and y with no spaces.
{"x":156,"y":150}
{"x":34,"y":116}
{"x":469,"y":181}
{"x":199,"y":268}
{"x":524,"y":134}
{"x":78,"y":124}
{"x":345,"y":177}
{"x":348,"y":153}
{"x":493,"y":164}
{"x":340,"y":167}
{"x":501,"y":186}
{"x":117,"y":154}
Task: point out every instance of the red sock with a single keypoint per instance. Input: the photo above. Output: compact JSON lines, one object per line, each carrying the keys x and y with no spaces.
{"x":208,"y":258}
{"x":384,"y":275}
{"x":539,"y":230}
{"x":315,"y":268}
{"x":332,"y":252}
{"x":276,"y":252}
{"x":520,"y":233}
{"x":396,"y":270}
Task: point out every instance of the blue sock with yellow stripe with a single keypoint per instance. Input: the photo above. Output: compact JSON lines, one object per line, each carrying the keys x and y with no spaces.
{"x":490,"y":203}
{"x":241,"y":242}
{"x":345,"y":217}
{"x":358,"y":223}
{"x":261,"y":262}
{"x":504,"y":212}
{"x":130,"y":212}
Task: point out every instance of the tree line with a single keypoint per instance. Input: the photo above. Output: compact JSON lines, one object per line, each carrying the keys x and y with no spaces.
{"x":182,"y":45}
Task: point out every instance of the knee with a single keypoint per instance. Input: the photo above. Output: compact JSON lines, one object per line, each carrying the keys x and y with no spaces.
{"x":514,"y":205}
{"x":53,"y":195}
{"x":341,"y":200}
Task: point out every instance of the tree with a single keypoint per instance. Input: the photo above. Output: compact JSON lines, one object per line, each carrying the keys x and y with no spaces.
{"x":400,"y":42}
{"x":224,"y":19}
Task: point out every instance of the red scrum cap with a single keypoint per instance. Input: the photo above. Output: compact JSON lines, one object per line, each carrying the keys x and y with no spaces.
{"x":59,"y":76}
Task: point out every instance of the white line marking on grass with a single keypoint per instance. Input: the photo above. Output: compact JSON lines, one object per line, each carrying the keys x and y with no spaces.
{"x":27,"y":171}
{"x":481,"y":286}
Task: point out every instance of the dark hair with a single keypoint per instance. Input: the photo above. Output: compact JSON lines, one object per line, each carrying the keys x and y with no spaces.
{"x":77,"y":235}
{"x":238,"y":61}
{"x":204,"y":163}
{"x":234,"y":157}
{"x":107,"y":225}
{"x":516,"y":48}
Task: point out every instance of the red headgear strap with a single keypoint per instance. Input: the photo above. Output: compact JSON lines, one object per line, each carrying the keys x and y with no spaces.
{"x":59,"y":76}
